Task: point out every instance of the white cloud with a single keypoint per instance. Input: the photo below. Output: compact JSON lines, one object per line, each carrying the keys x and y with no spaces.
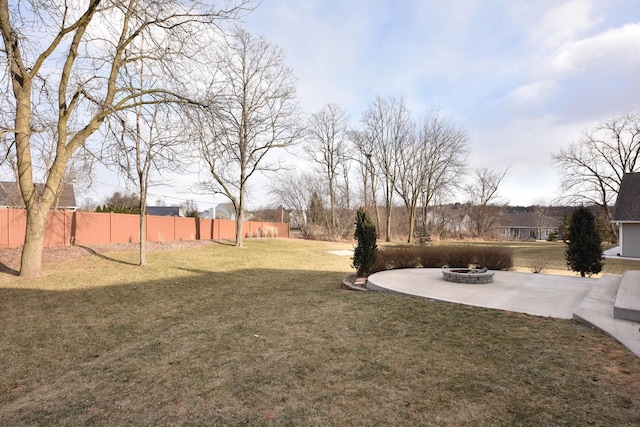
{"x":530,"y":94}
{"x":595,"y":76}
{"x":612,"y":49}
{"x":564,"y":23}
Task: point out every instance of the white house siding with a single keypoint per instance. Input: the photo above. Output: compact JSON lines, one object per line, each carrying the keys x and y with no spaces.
{"x":630,"y":241}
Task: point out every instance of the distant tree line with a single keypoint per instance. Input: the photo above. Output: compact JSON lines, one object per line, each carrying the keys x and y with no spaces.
{"x":129,"y":203}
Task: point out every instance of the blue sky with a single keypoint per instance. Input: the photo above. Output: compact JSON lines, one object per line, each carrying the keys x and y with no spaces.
{"x":525,"y":78}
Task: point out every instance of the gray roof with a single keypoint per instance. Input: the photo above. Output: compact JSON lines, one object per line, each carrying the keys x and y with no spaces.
{"x":10,"y":196}
{"x":164,"y":210}
{"x":526,"y":220}
{"x":628,"y":201}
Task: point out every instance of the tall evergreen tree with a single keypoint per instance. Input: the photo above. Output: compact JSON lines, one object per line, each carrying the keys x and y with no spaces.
{"x":364,"y":255}
{"x":316,"y":209}
{"x":584,"y":248}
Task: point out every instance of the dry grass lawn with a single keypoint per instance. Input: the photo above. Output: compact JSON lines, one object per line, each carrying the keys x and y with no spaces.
{"x":264,"y":336}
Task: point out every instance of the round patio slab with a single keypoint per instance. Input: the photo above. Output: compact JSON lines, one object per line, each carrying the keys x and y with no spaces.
{"x":537,"y":294}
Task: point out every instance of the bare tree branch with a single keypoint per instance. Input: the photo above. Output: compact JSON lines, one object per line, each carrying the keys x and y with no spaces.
{"x":592,"y":168}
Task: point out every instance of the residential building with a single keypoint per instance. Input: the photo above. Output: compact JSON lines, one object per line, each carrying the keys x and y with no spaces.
{"x":10,"y":196}
{"x":526,"y":225}
{"x":627,"y":215}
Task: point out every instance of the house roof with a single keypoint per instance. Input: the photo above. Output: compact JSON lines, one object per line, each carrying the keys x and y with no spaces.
{"x":628,"y":201}
{"x":164,"y":210}
{"x":527,"y":220}
{"x":10,"y":195}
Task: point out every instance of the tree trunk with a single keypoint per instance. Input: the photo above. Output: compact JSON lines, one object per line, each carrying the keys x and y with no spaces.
{"x":388,"y":231}
{"x":143,"y":236}
{"x":240,"y":217}
{"x":31,"y":262}
{"x":374,"y":199}
{"x":239,"y":221}
{"x":332,"y":228}
{"x":613,"y":229}
{"x":412,"y":223}
{"x":143,"y":220}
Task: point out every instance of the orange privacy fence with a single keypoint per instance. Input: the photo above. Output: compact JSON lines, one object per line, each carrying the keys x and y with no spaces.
{"x":65,"y":228}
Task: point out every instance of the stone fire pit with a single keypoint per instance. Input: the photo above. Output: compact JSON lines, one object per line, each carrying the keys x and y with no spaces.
{"x":475,"y":276}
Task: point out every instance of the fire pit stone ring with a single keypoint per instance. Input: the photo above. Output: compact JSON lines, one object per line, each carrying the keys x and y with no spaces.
{"x":474,"y":276}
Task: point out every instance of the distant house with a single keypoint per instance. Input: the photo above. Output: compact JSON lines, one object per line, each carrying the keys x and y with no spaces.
{"x":165,"y":211}
{"x":627,"y":215}
{"x":526,"y":225}
{"x":227,"y":211}
{"x":449,"y":218}
{"x":207,"y":214}
{"x":10,"y":196}
{"x":224,"y":211}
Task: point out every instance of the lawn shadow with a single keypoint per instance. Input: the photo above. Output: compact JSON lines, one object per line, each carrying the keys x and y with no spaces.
{"x":225,"y":242}
{"x":105,"y":257}
{"x":222,"y":338}
{"x":4,"y":268}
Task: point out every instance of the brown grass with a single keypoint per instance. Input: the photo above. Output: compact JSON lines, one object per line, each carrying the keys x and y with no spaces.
{"x":264,"y":336}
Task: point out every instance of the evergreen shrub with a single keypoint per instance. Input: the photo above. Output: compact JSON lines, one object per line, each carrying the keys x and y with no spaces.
{"x":584,"y":248}
{"x":364,"y":255}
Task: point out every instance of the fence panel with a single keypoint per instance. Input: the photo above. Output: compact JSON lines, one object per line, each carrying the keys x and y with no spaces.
{"x":17,"y":227}
{"x":160,"y":228}
{"x":57,"y":231}
{"x":4,"y":228}
{"x":185,"y":228}
{"x":92,"y":228}
{"x":283,"y":229}
{"x":204,"y":229}
{"x":125,"y":228}
{"x":65,"y":228}
{"x":254,"y":229}
{"x":224,"y":229}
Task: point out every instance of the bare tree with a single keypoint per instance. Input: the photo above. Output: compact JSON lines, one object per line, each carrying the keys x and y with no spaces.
{"x":543,"y":217}
{"x":64,"y":62}
{"x":484,"y":198}
{"x":252,"y":113}
{"x":387,"y":126}
{"x":144,"y":143}
{"x":592,"y":168}
{"x":327,"y":145}
{"x":122,"y":202}
{"x":296,"y":192}
{"x":411,"y":177}
{"x":364,"y":156}
{"x":431,"y":165}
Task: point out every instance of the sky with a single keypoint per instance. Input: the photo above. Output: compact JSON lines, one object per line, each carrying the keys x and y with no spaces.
{"x":524,"y":78}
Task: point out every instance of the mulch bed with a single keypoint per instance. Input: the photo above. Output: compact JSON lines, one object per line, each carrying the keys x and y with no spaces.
{"x":10,"y":257}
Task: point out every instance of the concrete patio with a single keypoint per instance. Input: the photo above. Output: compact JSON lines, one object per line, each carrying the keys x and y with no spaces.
{"x":589,"y":301}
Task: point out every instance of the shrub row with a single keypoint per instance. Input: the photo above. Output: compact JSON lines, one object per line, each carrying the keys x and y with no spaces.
{"x":458,"y":256}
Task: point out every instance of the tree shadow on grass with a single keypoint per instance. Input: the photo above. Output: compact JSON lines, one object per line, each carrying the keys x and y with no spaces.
{"x":105,"y":257}
{"x":4,"y":268}
{"x":225,"y":242}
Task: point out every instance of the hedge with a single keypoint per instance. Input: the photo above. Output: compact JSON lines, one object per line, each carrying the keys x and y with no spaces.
{"x":452,"y":256}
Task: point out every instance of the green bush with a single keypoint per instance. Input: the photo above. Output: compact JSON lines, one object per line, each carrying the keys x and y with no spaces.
{"x":460,"y":256}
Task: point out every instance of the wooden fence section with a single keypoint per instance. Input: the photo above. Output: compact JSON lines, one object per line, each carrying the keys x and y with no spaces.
{"x":66,"y":228}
